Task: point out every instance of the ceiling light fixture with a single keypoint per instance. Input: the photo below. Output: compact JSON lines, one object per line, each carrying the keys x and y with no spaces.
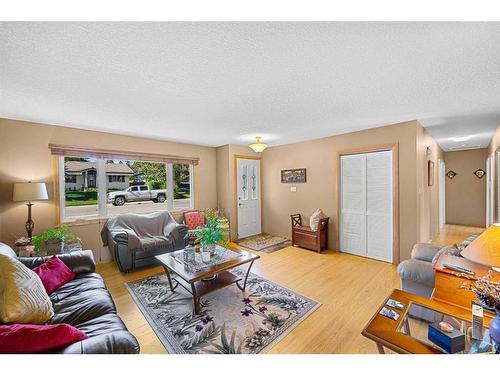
{"x":461,"y":139}
{"x":258,"y":146}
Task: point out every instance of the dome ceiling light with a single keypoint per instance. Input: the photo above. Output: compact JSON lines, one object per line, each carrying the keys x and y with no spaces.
{"x":258,"y":146}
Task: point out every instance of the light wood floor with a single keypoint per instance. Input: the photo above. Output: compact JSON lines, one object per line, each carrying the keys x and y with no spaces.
{"x":349,"y":288}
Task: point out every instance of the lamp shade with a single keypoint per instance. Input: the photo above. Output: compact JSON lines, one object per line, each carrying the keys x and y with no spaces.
{"x":485,"y":249}
{"x":29,"y":191}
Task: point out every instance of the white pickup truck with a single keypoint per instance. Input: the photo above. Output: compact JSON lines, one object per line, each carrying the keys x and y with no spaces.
{"x":136,"y":194}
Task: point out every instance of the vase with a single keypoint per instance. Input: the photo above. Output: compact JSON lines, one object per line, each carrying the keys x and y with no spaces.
{"x":54,"y":246}
{"x":210,"y":249}
{"x":495,"y":331}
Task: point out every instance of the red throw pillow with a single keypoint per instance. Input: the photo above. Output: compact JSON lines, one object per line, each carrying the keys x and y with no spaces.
{"x":32,"y":338}
{"x":194,"y":219}
{"x":54,"y":273}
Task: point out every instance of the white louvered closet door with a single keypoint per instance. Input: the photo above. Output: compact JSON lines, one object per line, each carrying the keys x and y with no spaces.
{"x":366,"y":205}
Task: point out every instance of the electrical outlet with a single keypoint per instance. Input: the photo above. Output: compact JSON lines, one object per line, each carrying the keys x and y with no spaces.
{"x":293,"y":189}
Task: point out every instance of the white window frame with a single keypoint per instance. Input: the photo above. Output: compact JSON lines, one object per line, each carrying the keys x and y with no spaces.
{"x":102,"y":194}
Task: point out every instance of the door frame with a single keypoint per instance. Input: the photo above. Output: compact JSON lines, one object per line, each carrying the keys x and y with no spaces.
{"x":235,"y":190}
{"x":394,"y":147}
{"x":442,"y":193}
{"x":490,"y":193}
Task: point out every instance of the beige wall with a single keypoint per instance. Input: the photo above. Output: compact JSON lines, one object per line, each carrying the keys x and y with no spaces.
{"x":428,"y":196}
{"x":25,"y":156}
{"x":319,"y":157}
{"x":466,"y":194}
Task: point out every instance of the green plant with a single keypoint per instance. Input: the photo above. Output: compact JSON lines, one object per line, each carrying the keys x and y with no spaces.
{"x":61,"y":233}
{"x":212,"y":233}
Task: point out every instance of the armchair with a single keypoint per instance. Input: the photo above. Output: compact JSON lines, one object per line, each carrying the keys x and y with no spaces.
{"x":135,"y":239}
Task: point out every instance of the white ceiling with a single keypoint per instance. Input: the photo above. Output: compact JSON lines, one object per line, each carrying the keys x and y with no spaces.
{"x":220,"y":83}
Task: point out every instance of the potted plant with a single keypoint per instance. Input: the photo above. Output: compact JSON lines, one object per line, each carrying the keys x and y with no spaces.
{"x":212,"y":233}
{"x":488,"y":292}
{"x":52,"y":241}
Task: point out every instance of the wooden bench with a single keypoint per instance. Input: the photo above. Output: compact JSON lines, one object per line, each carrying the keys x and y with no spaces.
{"x":304,"y":236}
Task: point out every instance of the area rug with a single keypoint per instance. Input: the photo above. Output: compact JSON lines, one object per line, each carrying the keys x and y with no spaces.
{"x":231,"y":321}
{"x":266,"y":243}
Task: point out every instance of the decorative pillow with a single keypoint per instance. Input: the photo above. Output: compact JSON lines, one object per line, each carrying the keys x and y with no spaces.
{"x":447,"y":250}
{"x":315,"y":218}
{"x":23,"y":298}
{"x":468,"y":241}
{"x":194,"y":219}
{"x":54,"y":273}
{"x":31,"y":338}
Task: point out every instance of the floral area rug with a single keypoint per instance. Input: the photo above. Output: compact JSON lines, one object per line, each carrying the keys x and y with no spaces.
{"x":266,"y":243}
{"x":231,"y":321}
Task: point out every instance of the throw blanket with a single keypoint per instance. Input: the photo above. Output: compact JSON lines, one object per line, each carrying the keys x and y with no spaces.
{"x":142,"y":231}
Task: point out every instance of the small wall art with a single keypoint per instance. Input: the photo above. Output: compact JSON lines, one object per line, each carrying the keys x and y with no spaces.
{"x":293,"y":176}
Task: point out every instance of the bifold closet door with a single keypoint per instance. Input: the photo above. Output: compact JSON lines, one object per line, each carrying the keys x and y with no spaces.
{"x":352,"y":217}
{"x":366,"y":224}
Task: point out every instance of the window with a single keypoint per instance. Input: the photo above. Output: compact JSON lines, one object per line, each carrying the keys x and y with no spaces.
{"x":80,"y":194}
{"x":114,"y":178}
{"x":70,"y":179}
{"x":99,"y":187}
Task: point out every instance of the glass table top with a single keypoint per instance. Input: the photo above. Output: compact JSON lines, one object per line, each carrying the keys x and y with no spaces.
{"x":416,"y":324}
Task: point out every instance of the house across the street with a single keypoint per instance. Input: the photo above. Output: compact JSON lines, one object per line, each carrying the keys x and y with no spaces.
{"x":82,"y":175}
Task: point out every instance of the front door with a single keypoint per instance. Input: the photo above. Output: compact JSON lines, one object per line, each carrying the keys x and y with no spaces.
{"x":248,"y":196}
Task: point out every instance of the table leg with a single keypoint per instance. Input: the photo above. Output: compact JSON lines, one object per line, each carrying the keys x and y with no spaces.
{"x":380,"y":348}
{"x":172,"y":288}
{"x":196,"y":300}
{"x":246,"y":278}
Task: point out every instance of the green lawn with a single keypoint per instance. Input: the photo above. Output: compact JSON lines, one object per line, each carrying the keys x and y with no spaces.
{"x":88,"y":202}
{"x":181,"y":193}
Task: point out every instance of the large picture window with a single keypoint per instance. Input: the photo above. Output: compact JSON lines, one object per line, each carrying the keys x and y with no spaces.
{"x":99,"y":187}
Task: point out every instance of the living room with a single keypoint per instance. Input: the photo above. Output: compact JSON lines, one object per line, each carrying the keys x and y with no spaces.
{"x":189,"y":188}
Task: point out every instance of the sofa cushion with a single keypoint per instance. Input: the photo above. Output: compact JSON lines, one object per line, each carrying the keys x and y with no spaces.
{"x":447,"y":250}
{"x":81,"y":300}
{"x":23,"y":298}
{"x":418,"y":271}
{"x":54,"y":273}
{"x":106,"y":334}
{"x":33,"y":338}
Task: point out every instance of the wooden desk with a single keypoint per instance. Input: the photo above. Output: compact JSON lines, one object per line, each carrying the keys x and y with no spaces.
{"x":448,"y":282}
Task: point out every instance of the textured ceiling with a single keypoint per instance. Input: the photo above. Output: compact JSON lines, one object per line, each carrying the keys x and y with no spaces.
{"x":219,"y":83}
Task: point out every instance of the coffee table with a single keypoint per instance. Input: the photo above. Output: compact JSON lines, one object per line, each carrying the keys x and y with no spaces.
{"x":201,"y":278}
{"x":408,"y":334}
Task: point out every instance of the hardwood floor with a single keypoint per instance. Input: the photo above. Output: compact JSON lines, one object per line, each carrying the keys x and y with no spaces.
{"x":348,"y":287}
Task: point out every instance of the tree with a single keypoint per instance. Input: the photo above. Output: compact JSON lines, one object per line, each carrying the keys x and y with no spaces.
{"x":154,"y":174}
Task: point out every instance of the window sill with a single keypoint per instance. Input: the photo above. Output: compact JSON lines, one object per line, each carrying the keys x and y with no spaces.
{"x":78,"y":221}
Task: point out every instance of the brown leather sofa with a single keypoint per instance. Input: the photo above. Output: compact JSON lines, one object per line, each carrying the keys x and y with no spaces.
{"x":86,"y":304}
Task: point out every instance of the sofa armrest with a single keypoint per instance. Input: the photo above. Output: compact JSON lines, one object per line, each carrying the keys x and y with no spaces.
{"x":418,"y":271}
{"x":182,"y":230}
{"x":424,"y":251}
{"x":79,"y":262}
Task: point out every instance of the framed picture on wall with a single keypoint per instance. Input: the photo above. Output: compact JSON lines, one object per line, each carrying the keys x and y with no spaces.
{"x":430,"y":173}
{"x":292,"y":176}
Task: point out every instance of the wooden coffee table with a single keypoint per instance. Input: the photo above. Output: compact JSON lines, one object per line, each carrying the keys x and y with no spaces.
{"x":201,"y":278}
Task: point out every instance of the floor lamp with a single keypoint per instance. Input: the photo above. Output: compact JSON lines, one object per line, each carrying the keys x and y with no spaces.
{"x":28,"y":192}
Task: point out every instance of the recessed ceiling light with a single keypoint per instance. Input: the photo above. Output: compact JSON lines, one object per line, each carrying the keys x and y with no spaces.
{"x":461,"y":139}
